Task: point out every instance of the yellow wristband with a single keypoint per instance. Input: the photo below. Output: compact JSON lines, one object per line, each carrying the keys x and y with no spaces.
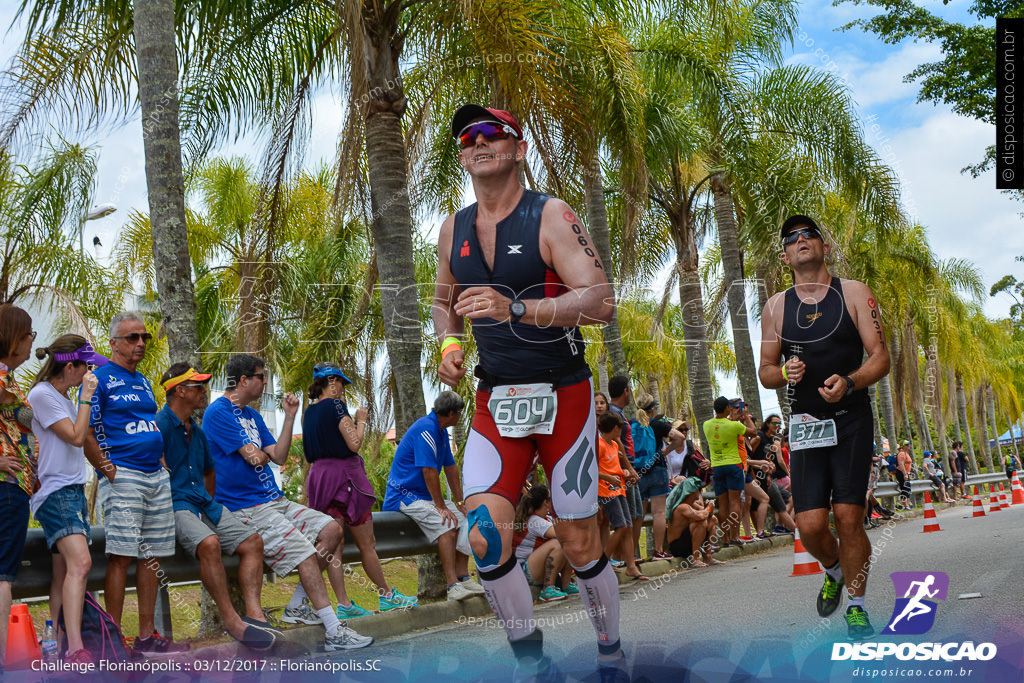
{"x":784,"y":375}
{"x":451,"y":345}
{"x":448,"y":341}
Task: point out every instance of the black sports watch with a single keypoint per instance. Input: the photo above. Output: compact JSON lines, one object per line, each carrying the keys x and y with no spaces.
{"x":516,"y":309}
{"x":849,"y":383}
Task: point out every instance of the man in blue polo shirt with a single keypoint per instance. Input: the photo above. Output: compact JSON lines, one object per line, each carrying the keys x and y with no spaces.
{"x":414,"y":488}
{"x":294,"y":536}
{"x":204,"y":527}
{"x":125,"y":446}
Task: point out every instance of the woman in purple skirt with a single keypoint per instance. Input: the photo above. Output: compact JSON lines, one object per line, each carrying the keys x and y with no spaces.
{"x":337,"y":484}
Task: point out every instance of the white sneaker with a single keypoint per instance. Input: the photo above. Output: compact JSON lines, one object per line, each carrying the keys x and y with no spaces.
{"x":346,"y":639}
{"x":459,"y":591}
{"x":303,"y":614}
{"x":472,"y":586}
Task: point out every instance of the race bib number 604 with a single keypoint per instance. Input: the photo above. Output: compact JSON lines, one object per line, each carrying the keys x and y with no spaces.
{"x":805,"y":431}
{"x":523,"y":409}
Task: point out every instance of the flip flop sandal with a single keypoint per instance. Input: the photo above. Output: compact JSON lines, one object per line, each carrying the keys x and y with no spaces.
{"x":713,"y":562}
{"x":698,"y":565}
{"x":256,"y":638}
{"x":640,"y":578}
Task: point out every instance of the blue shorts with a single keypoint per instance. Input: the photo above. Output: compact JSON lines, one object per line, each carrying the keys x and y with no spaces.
{"x":727,"y":478}
{"x":653,"y":483}
{"x":14,"y":513}
{"x":63,"y":513}
{"x":615,"y":510}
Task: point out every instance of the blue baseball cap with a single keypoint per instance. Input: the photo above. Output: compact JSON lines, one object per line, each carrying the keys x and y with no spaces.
{"x":329,"y":370}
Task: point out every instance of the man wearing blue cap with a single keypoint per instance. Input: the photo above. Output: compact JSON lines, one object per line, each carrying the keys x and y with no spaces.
{"x":931,"y":471}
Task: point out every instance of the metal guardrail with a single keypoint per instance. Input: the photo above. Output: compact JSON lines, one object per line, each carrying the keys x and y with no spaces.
{"x":396,"y":536}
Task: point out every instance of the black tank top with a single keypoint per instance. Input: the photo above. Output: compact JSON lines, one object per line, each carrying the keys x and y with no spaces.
{"x":515,"y":351}
{"x":825,"y":338}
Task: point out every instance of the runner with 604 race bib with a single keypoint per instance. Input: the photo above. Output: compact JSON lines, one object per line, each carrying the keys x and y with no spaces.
{"x":521,"y":266}
{"x":822,"y":327}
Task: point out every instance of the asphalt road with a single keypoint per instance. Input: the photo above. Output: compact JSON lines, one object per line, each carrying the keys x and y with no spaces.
{"x":749,"y":620}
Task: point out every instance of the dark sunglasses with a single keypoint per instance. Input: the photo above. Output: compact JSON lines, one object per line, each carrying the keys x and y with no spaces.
{"x":262,"y":377}
{"x":806,"y":233}
{"x":490,"y":131}
{"x":134,"y":337}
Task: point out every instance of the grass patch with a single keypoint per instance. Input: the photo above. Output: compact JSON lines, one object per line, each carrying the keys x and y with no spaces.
{"x":401,"y":573}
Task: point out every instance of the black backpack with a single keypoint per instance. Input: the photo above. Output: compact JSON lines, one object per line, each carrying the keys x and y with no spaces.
{"x":100,"y":635}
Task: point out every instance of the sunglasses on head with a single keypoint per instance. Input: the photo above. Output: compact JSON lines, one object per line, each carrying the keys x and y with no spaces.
{"x":490,"y":131}
{"x":134,"y":337}
{"x":806,"y":233}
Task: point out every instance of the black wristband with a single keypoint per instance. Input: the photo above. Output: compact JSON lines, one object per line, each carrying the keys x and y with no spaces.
{"x":849,"y":383}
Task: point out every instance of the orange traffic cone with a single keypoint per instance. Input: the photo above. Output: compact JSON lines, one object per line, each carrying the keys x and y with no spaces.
{"x":1017,"y":491}
{"x":979,"y":507}
{"x":804,"y":563}
{"x":22,"y":646}
{"x":993,"y":499}
{"x":1003,"y":503}
{"x":929,"y":513}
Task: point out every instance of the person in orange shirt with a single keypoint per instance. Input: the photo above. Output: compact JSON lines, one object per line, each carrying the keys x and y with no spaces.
{"x":611,"y":492}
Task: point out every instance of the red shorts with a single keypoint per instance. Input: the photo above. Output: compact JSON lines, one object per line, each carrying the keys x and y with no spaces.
{"x":497,"y":464}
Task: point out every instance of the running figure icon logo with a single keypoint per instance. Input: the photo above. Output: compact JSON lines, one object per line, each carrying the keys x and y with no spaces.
{"x":914,"y":613}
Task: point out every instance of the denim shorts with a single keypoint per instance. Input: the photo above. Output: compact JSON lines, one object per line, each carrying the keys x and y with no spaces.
{"x":634,"y":504}
{"x":63,"y":513}
{"x":727,"y":478}
{"x":14,"y":513}
{"x":653,"y":483}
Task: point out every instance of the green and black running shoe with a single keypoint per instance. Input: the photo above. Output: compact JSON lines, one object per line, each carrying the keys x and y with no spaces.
{"x":830,"y":596}
{"x":857,"y":625}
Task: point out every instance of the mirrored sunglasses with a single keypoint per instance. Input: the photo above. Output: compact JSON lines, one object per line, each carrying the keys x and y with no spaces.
{"x":490,"y":131}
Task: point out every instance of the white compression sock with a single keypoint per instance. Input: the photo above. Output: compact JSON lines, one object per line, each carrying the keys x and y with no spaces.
{"x":600,"y":592}
{"x":330,"y":619}
{"x":509,"y":594}
{"x":297,"y":596}
{"x":835,"y":572}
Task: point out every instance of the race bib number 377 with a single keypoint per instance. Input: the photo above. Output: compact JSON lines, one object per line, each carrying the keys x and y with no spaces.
{"x":805,"y":431}
{"x":523,"y":409}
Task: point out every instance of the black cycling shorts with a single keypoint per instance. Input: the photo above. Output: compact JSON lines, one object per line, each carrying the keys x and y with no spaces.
{"x":835,"y":474}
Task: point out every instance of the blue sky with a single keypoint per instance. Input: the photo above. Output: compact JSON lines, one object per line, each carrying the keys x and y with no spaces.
{"x":926,"y":144}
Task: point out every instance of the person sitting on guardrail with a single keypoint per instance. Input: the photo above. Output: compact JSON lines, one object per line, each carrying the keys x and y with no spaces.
{"x":243,"y":449}
{"x":692,"y":524}
{"x":125,"y":447}
{"x":932,"y":472}
{"x":337,"y":484}
{"x":414,"y":489}
{"x":59,"y":505}
{"x":204,"y":527}
{"x":537,"y":547}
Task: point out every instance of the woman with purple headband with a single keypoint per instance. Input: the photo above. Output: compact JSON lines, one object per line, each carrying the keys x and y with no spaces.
{"x":59,"y":504}
{"x":337,"y":484}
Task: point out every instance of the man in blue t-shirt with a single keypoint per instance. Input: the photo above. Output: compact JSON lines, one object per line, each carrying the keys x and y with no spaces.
{"x":125,"y":446}
{"x":242,"y":449}
{"x":414,"y":488}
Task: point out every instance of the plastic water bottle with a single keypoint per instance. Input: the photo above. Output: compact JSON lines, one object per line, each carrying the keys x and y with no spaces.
{"x":49,"y":643}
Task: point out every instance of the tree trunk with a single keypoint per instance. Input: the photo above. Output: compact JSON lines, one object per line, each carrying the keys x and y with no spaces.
{"x":602,"y":371}
{"x":430,"y":577}
{"x":886,"y":409}
{"x":979,"y":408}
{"x":158,"y":95}
{"x":746,"y":367}
{"x":691,"y":304}
{"x":762,"y":301}
{"x":392,"y":222}
{"x":961,"y":406}
{"x":990,"y":405}
{"x":654,"y":387}
{"x":597,"y":212}
{"x":935,"y":382}
{"x":877,"y":422}
{"x":913,"y":375}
